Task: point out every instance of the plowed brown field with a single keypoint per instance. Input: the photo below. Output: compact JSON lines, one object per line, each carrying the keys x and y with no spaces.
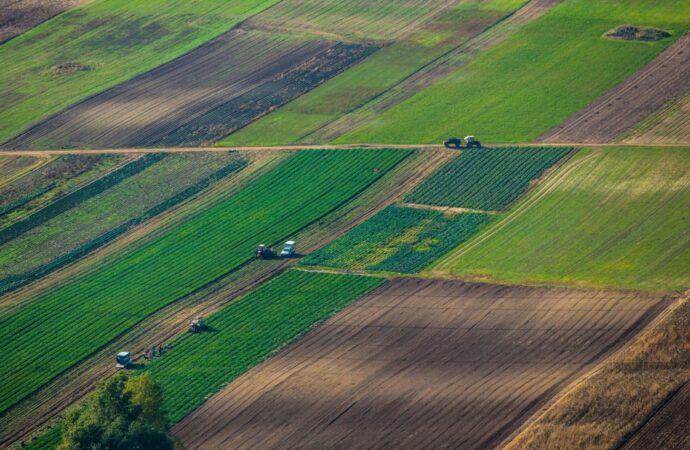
{"x":605,"y":120}
{"x":422,"y":364}
{"x":18,"y":16}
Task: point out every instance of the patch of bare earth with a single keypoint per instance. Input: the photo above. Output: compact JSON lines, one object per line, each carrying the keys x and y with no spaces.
{"x":422,"y":364}
{"x":18,"y":16}
{"x":607,"y":119}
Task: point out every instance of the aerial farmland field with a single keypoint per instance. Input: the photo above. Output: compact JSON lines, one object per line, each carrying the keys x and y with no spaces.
{"x":327,"y":224}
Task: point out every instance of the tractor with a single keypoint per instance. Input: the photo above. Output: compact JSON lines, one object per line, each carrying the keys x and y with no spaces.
{"x":123,"y":360}
{"x":470,"y":142}
{"x":264,"y":252}
{"x":289,"y":250}
{"x":457,"y":143}
{"x":197,"y":325}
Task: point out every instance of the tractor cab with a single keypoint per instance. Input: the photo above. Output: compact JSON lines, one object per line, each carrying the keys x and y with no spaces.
{"x":289,"y":249}
{"x":264,"y":252}
{"x":123,"y":360}
{"x":470,"y":142}
{"x":197,"y":325}
{"x":453,"y":143}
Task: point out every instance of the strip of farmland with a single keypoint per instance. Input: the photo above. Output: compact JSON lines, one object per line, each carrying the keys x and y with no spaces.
{"x":462,"y":365}
{"x":18,"y":16}
{"x":663,"y":79}
{"x":13,"y":168}
{"x":41,"y":335}
{"x":103,"y":217}
{"x":669,"y":125}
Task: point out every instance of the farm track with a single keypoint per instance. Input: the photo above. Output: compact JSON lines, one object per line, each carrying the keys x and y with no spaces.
{"x":668,"y":427}
{"x":46,"y":404}
{"x":406,"y":358}
{"x":607,"y":119}
{"x":19,"y":16}
{"x":434,"y":71}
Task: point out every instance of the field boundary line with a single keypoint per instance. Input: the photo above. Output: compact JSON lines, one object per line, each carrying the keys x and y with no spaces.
{"x":448,"y":210}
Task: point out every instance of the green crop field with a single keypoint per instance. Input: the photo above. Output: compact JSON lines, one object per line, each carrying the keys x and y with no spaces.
{"x":486,"y":179}
{"x":542,"y":74}
{"x":613,"y":217}
{"x":378,"y":73}
{"x":50,"y":333}
{"x":102,"y":217}
{"x":398,"y":239}
{"x":247,"y":331}
{"x":111,"y":41}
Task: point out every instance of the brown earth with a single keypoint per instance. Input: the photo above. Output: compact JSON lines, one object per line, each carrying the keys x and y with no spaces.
{"x":18,"y":16}
{"x":608,"y":118}
{"x":422,"y":364}
{"x":45,"y":405}
{"x":669,"y":428}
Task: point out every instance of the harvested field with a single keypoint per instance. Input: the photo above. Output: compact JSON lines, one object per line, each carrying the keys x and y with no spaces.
{"x":17,"y":16}
{"x":668,"y":428}
{"x":668,"y":125}
{"x":145,"y":110}
{"x":462,"y":365}
{"x":666,"y":77}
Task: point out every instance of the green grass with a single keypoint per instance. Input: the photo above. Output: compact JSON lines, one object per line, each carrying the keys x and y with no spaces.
{"x":247,"y":331}
{"x":117,"y":39}
{"x":397,"y":239}
{"x":486,"y":179}
{"x":541,"y":75}
{"x":103,"y":217}
{"x":50,"y":333}
{"x":613,"y":218}
{"x":378,"y":73}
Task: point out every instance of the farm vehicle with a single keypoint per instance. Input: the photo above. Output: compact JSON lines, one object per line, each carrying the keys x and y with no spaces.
{"x":197,"y":325}
{"x":123,"y":360}
{"x":470,"y":141}
{"x":264,"y":252}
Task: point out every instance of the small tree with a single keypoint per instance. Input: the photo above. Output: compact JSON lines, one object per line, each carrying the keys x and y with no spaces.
{"x":123,"y":413}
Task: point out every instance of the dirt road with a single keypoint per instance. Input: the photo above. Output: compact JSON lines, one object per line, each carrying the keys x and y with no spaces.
{"x":421,"y":364}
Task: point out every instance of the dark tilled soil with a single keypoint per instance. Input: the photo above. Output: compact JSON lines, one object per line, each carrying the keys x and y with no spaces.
{"x":421,"y":364}
{"x":609,"y":117}
{"x":18,"y":16}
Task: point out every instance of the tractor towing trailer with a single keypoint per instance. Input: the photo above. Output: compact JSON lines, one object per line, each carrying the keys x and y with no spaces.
{"x":454,"y":142}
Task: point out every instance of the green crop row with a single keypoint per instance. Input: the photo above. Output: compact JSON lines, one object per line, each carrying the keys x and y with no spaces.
{"x":106,"y":210}
{"x":487,"y":179}
{"x":398,"y":240}
{"x":74,"y":198}
{"x":50,"y":333}
{"x":247,"y":331}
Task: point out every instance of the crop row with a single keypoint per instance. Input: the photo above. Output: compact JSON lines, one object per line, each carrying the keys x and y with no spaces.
{"x":49,"y":182}
{"x":398,"y":239}
{"x":487,"y":179}
{"x":57,"y":329}
{"x":78,"y":196}
{"x":247,"y":331}
{"x":152,"y":185}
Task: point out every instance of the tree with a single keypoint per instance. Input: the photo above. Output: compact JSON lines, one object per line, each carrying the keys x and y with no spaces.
{"x":123,"y":413}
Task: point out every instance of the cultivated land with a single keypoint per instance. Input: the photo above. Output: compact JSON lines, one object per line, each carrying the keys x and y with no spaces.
{"x":661,"y":81}
{"x":669,"y":125}
{"x":89,"y":49}
{"x":132,"y":285}
{"x":17,"y":16}
{"x":100,"y":218}
{"x":460,"y":364}
{"x":533,"y":81}
{"x":609,"y":217}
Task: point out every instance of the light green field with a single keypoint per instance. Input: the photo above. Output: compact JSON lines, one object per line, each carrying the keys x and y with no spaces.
{"x":118,"y":39}
{"x":612,"y":217}
{"x":375,"y":75}
{"x":545,"y":72}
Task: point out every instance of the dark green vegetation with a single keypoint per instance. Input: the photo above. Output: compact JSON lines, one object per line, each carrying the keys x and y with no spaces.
{"x":163,"y":182}
{"x":610,"y":217}
{"x":247,"y":331}
{"x":52,"y":180}
{"x":545,"y":72}
{"x":123,"y":413}
{"x":486,"y":179}
{"x":50,"y":333}
{"x":398,"y":239}
{"x":102,"y":36}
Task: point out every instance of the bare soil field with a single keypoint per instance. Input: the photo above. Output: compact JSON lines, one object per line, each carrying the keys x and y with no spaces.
{"x":668,"y":428}
{"x":18,"y":16}
{"x":422,"y":364}
{"x":143,"y":111}
{"x":608,"y":118}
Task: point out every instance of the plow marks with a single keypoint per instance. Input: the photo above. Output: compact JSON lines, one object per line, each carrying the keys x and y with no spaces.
{"x":421,"y":364}
{"x":199,"y":97}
